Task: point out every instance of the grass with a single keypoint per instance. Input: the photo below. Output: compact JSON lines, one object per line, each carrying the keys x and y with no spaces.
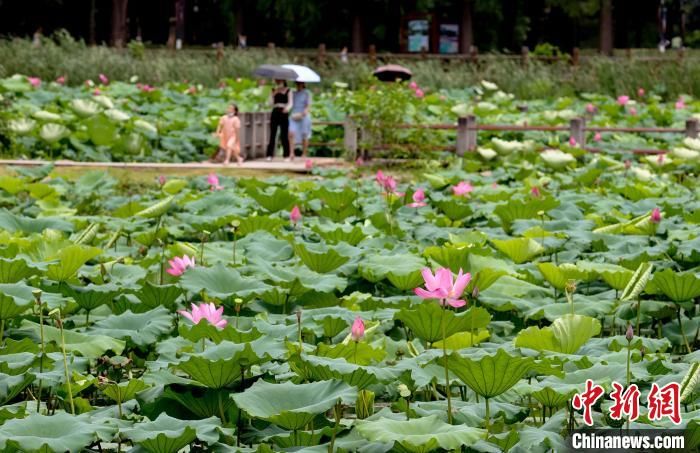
{"x":62,"y":55}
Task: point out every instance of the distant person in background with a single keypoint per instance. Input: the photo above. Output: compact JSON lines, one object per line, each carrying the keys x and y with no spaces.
{"x":281,"y":100}
{"x":663,"y":20}
{"x":36,"y":39}
{"x":344,"y":55}
{"x":242,"y":41}
{"x":300,"y":120}
{"x":229,"y":133}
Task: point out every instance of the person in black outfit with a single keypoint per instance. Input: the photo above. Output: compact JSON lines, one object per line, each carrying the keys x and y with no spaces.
{"x":281,"y":99}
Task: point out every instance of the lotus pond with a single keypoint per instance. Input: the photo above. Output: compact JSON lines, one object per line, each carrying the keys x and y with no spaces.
{"x":461,"y":309}
{"x":105,"y":120}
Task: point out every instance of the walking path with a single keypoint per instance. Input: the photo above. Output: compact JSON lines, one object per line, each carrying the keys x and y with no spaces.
{"x":278,"y":165}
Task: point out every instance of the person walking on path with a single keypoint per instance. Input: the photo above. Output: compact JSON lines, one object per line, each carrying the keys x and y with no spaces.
{"x":281,"y":100}
{"x":300,"y":120}
{"x":229,"y":133}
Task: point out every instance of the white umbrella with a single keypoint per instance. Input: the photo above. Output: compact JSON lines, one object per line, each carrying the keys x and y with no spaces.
{"x":304,"y":74}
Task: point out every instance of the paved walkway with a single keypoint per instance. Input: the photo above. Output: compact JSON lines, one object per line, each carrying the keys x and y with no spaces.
{"x":298,"y":165}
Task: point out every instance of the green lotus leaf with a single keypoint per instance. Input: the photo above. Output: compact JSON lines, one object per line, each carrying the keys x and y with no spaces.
{"x":14,"y":223}
{"x":637,"y":282}
{"x":352,"y":236}
{"x":557,"y":159}
{"x":14,"y":270}
{"x":124,"y":391}
{"x":420,"y":434}
{"x":337,"y":200}
{"x":454,"y":209}
{"x":462,"y":340}
{"x":174,"y":186}
{"x":52,"y":132}
{"x":202,"y":403}
{"x":506,"y":147}
{"x":153,"y":296}
{"x":327,"y":368}
{"x":221,"y":365}
{"x":157,"y":209}
{"x":359,"y":353}
{"x":15,"y":299}
{"x":117,"y":115}
{"x":275,"y":201}
{"x":88,"y":345}
{"x":520,"y":250}
{"x":91,"y":296}
{"x":60,"y":432}
{"x":47,"y":116}
{"x":85,"y":107}
{"x":166,"y":434}
{"x":677,"y":286}
{"x":323,"y":262}
{"x":251,"y":224}
{"x":566,"y":334}
{"x":196,"y":332}
{"x":375,"y":268}
{"x":549,"y":397}
{"x":141,"y":329}
{"x":557,"y":276}
{"x":12,"y":385}
{"x":425,"y":321}
{"x":145,"y":127}
{"x":293,"y":406}
{"x":70,"y":260}
{"x":490,"y":375}
{"x":222,"y":282}
{"x":405,"y":281}
{"x":21,"y":126}
{"x":516,"y":209}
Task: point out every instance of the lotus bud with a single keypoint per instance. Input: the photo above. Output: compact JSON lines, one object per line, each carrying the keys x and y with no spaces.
{"x":404,"y":391}
{"x":475,"y":292}
{"x":298,"y":313}
{"x":535,"y":191}
{"x":161,"y":180}
{"x":629,"y":335}
{"x":358,"y":329}
{"x":655,"y":215}
{"x":364,"y":407}
{"x":640,"y":92}
{"x":570,"y":286}
{"x":37,"y":295}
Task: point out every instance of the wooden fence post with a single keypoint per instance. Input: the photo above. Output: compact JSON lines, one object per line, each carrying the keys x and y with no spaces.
{"x":462,"y":135}
{"x":692,"y":128}
{"x":524,"y":56}
{"x":372,"y":54}
{"x":350,"y":138}
{"x":575,"y":54}
{"x":474,"y":54}
{"x":577,"y":130}
{"x":471,"y":132}
{"x":321,"y":54}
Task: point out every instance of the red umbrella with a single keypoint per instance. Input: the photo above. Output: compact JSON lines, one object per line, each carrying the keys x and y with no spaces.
{"x":392,"y":72}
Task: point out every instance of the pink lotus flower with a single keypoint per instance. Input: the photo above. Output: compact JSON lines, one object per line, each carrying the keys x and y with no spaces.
{"x":535,"y":191}
{"x":680,"y":104}
{"x":97,"y":92}
{"x":623,"y":100}
{"x":442,"y":97}
{"x":206,"y":311}
{"x":418,"y":199}
{"x":413,"y":86}
{"x":628,"y":164}
{"x":597,"y":137}
{"x":660,"y":159}
{"x":103,"y":79}
{"x":386,"y":182}
{"x":146,"y":88}
{"x":192,"y":90}
{"x":462,"y":188}
{"x":34,"y":81}
{"x":357,"y":331}
{"x":442,"y":286}
{"x":359,"y":161}
{"x":633,"y":111}
{"x":419,"y":93}
{"x":590,"y":108}
{"x":309,"y":164}
{"x":61,"y":80}
{"x":494,"y":185}
{"x":655,"y":216}
{"x":161,"y":180}
{"x":213,"y":181}
{"x":178,"y":265}
{"x":640,"y":92}
{"x":295,"y":214}
{"x":572,"y":141}
{"x":89,"y":83}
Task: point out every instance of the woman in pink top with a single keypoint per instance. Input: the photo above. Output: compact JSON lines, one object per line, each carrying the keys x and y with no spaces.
{"x":229,"y":131}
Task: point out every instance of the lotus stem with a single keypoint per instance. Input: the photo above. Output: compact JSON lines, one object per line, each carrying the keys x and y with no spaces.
{"x":41,"y":361}
{"x":680,"y":325}
{"x":488,"y":416}
{"x":629,"y":376}
{"x":639,"y":316}
{"x":336,"y":413}
{"x":221,"y":411}
{"x":2,"y":332}
{"x":65,"y":364}
{"x":87,"y":318}
{"x":354,"y":353}
{"x":447,"y":368}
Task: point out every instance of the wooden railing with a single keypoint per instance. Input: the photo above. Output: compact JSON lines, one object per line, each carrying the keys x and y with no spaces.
{"x":256,"y":126}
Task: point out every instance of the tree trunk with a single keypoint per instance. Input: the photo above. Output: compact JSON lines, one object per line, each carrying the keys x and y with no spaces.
{"x":466,"y":28}
{"x":179,"y":23}
{"x":119,"y":10}
{"x":606,"y":27}
{"x":358,"y":44}
{"x":93,"y":26}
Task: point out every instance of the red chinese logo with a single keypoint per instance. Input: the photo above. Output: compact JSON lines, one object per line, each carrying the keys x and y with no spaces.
{"x":587,"y":399}
{"x":665,"y":402}
{"x":626,"y":402}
